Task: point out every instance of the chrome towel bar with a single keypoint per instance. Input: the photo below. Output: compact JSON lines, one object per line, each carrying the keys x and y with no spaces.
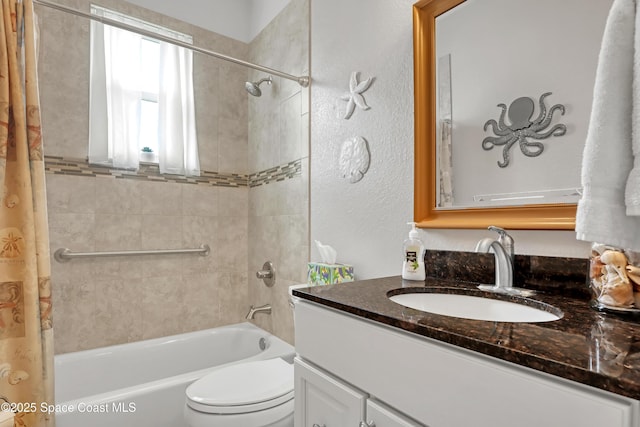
{"x":65,"y":254}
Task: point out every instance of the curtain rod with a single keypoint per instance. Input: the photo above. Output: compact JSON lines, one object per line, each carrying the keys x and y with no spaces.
{"x":302,"y":80}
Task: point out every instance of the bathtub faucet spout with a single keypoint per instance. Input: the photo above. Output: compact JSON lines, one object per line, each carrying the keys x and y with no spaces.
{"x":262,"y":309}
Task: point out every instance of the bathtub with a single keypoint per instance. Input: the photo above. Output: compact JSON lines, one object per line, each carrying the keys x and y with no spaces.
{"x":143,"y":383}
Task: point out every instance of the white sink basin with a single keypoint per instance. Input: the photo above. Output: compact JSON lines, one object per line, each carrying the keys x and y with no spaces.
{"x":476,"y":308}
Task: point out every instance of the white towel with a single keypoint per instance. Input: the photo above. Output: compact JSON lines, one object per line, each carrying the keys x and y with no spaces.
{"x":632,"y":191}
{"x":613,"y":137}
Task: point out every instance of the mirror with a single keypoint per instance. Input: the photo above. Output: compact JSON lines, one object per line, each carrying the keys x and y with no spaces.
{"x":492,"y":145}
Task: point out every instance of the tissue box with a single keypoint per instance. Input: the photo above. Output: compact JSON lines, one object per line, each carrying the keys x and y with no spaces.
{"x":327,"y":274}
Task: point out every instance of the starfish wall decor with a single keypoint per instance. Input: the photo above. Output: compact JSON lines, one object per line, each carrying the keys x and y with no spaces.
{"x":354,"y":97}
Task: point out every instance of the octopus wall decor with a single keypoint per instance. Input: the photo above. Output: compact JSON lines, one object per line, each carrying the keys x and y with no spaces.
{"x":522,"y":128}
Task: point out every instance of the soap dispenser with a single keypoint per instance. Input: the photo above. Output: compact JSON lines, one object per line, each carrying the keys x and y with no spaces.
{"x":413,"y":252}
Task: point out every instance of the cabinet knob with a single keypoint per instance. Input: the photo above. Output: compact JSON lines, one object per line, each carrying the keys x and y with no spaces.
{"x":367,"y":424}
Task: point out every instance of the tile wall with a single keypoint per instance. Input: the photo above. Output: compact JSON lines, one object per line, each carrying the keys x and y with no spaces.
{"x":100,"y":302}
{"x":278,"y":135}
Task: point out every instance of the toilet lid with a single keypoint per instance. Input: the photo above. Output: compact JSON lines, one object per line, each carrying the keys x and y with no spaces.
{"x":243,"y":387}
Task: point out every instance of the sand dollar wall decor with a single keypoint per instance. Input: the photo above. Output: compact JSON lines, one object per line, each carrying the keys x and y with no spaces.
{"x":354,"y":159}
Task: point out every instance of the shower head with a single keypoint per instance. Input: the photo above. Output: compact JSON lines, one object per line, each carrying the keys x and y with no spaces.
{"x":254,"y":87}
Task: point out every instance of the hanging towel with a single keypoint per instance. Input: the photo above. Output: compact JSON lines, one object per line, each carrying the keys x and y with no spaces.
{"x":609,"y":208}
{"x":632,"y":190}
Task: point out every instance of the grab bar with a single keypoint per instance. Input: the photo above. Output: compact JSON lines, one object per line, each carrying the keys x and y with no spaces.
{"x":66,"y":255}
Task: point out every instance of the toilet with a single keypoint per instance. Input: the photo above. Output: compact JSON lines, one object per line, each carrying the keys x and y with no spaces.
{"x":251,"y":394}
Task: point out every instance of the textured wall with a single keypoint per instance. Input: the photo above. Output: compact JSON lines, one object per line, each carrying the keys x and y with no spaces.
{"x":278,"y":135}
{"x":365,"y":222}
{"x":107,"y":301}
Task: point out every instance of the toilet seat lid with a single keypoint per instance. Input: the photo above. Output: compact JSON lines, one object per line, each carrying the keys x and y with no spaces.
{"x":243,"y":387}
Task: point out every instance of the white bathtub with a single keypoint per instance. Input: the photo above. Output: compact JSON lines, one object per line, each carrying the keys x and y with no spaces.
{"x":143,"y":383}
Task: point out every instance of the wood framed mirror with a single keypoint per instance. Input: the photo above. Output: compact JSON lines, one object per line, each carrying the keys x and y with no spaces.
{"x":426,"y":214}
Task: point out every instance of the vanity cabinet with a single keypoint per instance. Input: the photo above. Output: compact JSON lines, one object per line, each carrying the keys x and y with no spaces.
{"x":325,"y":401}
{"x":435,"y":383}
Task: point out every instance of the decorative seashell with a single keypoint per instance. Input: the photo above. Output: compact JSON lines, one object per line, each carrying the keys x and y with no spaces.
{"x":618,"y":261}
{"x":617,"y":295}
{"x":595,"y":267}
{"x":615,"y":291}
{"x":5,"y":369}
{"x":598,"y":249}
{"x":17,"y":376}
{"x":633,"y":273}
{"x":597,"y":284}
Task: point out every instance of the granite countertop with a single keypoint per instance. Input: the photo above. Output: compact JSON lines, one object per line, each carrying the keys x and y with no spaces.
{"x":586,"y":346}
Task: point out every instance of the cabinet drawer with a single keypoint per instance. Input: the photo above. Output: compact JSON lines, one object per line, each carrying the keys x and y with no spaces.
{"x":446,"y":386}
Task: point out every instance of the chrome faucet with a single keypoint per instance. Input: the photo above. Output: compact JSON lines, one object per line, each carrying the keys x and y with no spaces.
{"x":505,"y":240}
{"x":266,"y":309}
{"x":503,"y":249}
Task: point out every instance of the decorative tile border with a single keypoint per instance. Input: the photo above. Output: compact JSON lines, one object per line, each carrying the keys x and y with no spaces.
{"x":275,"y":174}
{"x":150,"y":172}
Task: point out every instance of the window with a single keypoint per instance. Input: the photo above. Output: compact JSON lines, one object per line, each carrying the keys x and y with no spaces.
{"x":150,"y":87}
{"x":141,"y":98}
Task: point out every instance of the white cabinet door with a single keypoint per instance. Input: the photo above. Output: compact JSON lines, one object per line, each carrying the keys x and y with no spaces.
{"x":324,"y":401}
{"x":379,"y":415}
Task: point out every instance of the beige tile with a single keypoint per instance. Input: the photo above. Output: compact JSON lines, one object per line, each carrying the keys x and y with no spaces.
{"x":119,"y":268}
{"x":70,"y":194}
{"x":264,"y":131}
{"x":118,"y":232}
{"x":118,"y":196}
{"x":198,"y":231}
{"x":291,"y":194}
{"x":234,"y":297}
{"x":161,"y":232}
{"x":292,"y":244}
{"x":161,"y":198}
{"x":73,"y":231}
{"x":232,"y":95}
{"x":118,"y":314}
{"x":162,"y":306}
{"x":76,"y":271}
{"x":282,"y":313}
{"x":199,"y":200}
{"x":290,"y":129}
{"x":233,"y":146}
{"x":232,"y":243}
{"x":201,"y":293}
{"x":64,"y":84}
{"x":208,"y":147}
{"x":263,"y":235}
{"x":234,"y":202}
{"x":264,"y":200}
{"x":74,"y":319}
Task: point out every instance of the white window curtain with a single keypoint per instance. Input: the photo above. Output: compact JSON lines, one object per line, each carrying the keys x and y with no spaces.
{"x":115,"y":97}
{"x":177,"y":143}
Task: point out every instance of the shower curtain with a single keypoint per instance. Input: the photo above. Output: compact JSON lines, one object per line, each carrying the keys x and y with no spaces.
{"x":26,"y":334}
